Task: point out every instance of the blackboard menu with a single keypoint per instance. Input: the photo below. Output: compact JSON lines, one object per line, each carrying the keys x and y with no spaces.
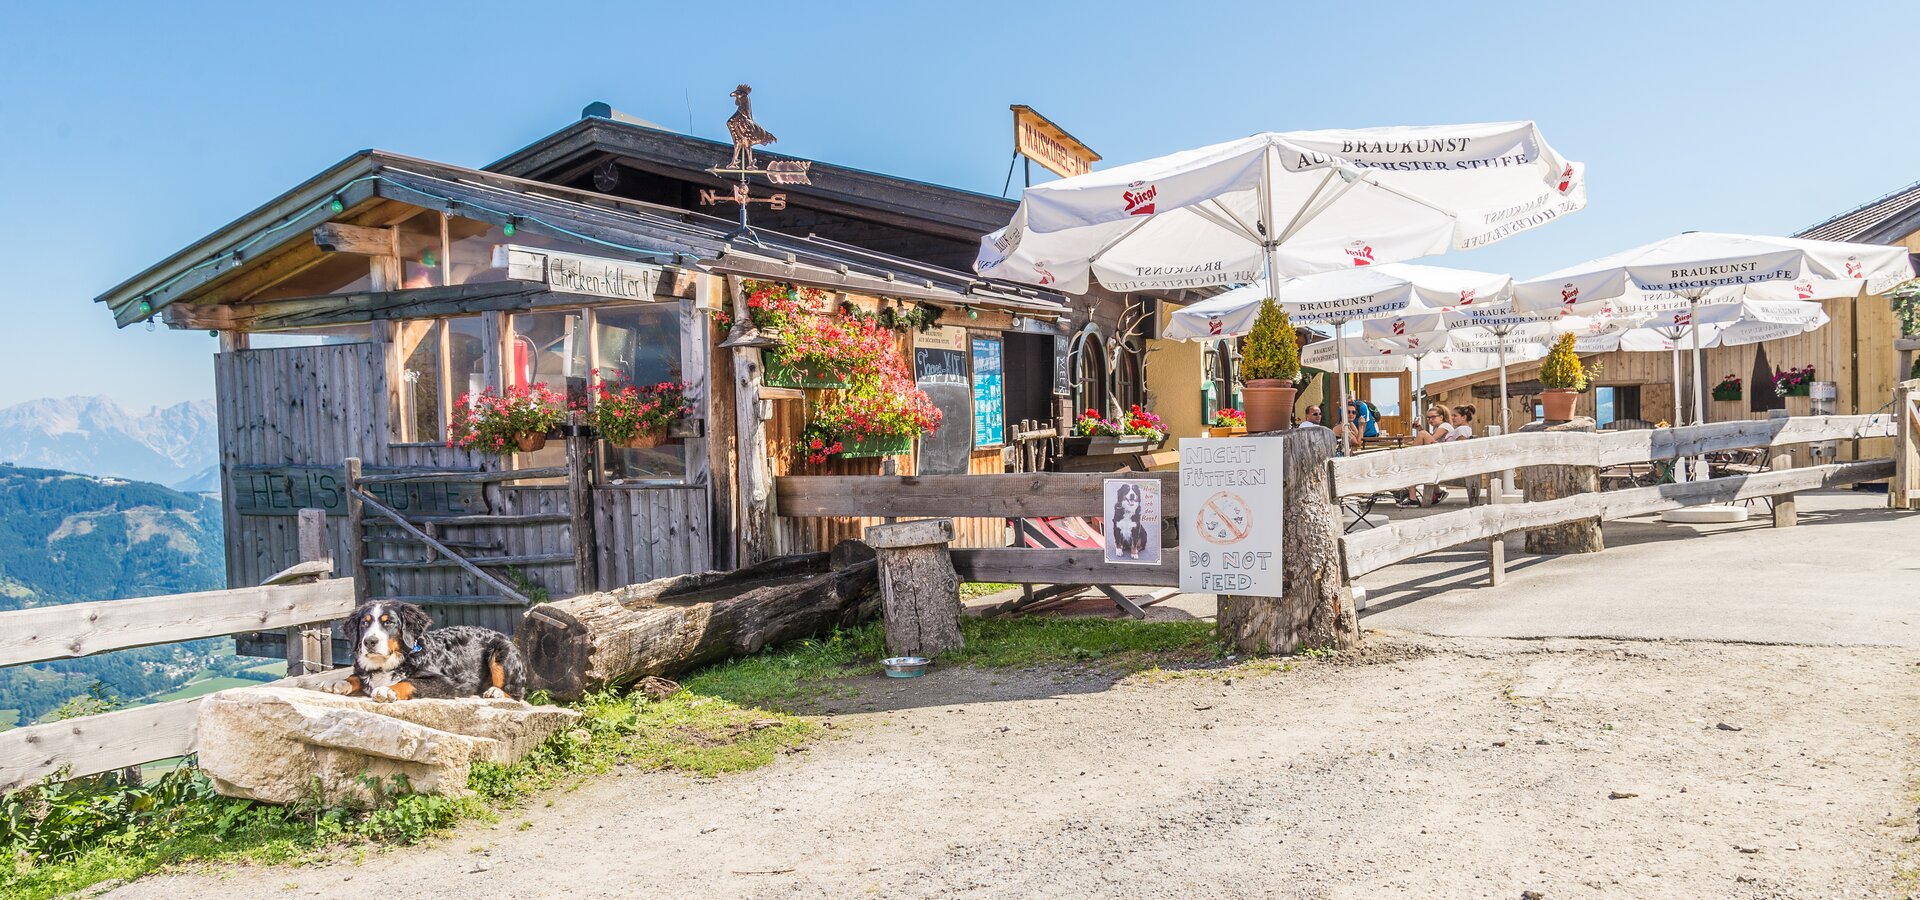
{"x":989,"y":393}
{"x":940,"y":370}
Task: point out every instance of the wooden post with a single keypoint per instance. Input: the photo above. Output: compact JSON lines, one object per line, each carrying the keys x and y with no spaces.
{"x":356,"y":531}
{"x":1496,"y":548}
{"x":1555,"y":482}
{"x":755,"y":523}
{"x":1316,"y":611}
{"x":1904,"y":491}
{"x":1784,"y":513}
{"x":919,"y":591}
{"x":586,"y":570}
{"x":310,"y":646}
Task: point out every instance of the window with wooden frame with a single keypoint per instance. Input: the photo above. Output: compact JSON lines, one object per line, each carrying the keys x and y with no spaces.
{"x":433,"y":363}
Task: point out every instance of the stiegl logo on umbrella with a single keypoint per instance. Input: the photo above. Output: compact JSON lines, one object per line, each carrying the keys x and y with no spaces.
{"x":1361,"y":253}
{"x":1139,"y":202}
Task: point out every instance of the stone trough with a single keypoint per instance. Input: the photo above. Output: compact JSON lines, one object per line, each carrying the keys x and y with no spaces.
{"x":287,"y":742}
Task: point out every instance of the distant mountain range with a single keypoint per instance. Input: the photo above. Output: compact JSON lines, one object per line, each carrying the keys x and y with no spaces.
{"x":176,"y":445}
{"x":66,"y":538}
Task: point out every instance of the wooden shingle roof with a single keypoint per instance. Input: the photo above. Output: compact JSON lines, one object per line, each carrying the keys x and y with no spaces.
{"x":1882,"y":221}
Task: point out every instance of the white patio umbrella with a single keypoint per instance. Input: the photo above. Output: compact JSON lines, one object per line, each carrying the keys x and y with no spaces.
{"x":1461,"y":352}
{"x":1285,"y":203}
{"x":1496,"y":328}
{"x":1702,"y":266}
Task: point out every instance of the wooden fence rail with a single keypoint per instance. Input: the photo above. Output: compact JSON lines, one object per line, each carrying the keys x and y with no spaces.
{"x":1391,"y":470}
{"x":1373,"y":549}
{"x":129,"y":737}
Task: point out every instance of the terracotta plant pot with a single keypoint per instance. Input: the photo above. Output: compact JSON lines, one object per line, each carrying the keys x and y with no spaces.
{"x":1558,"y":404}
{"x":1268,"y":403}
{"x":1226,"y":430}
{"x":645,"y":440}
{"x":529,"y":441}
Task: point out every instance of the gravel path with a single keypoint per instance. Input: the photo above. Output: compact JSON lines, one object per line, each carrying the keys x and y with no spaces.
{"x":1434,"y":767}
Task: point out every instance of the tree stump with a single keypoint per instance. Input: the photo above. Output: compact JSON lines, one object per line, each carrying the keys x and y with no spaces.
{"x":919,"y":591}
{"x":1317,"y":610}
{"x":1555,"y":482}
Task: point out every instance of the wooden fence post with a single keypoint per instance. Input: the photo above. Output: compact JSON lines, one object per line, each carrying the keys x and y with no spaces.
{"x":356,"y":531}
{"x":919,"y":591}
{"x":1316,"y":611}
{"x":310,"y":646}
{"x":586,"y":566}
{"x":1903,"y":492}
{"x":1496,"y":548}
{"x":1555,"y":482}
{"x":1784,"y":513}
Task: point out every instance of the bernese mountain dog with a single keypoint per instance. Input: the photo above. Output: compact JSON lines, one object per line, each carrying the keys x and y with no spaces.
{"x":1129,"y":530}
{"x":399,"y":655}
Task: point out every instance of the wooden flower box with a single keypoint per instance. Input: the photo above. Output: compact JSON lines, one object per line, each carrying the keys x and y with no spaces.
{"x":876,"y":446}
{"x":781,"y":372}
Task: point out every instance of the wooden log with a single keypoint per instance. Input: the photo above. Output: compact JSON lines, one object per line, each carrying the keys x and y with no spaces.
{"x":1317,"y":608}
{"x":670,"y":625}
{"x":1073,"y":565}
{"x":1557,"y":481}
{"x":919,"y":591}
{"x":755,"y":523}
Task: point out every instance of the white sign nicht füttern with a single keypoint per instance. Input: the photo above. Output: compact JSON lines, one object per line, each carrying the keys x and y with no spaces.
{"x":1232,"y":504}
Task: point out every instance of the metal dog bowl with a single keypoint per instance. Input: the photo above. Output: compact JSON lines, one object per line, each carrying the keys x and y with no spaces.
{"x":906,"y":666}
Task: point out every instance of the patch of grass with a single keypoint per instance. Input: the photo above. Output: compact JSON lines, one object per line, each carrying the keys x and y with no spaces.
{"x":972,"y":589}
{"x":806,"y":668}
{"x":9,"y":718}
{"x":59,"y":837}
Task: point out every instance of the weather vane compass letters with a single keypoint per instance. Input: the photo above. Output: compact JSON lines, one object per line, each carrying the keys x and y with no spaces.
{"x":747,"y":134}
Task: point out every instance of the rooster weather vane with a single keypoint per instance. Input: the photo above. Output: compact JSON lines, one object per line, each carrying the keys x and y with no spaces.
{"x":747,"y":134}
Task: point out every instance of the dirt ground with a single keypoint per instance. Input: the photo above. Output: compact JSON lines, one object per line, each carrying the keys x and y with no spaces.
{"x":1434,"y":767}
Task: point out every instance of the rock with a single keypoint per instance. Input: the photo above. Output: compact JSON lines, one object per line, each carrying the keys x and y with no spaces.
{"x":1725,"y":727}
{"x":1533,"y":895}
{"x":657,"y":688}
{"x":283,"y":744}
{"x":1621,"y":795}
{"x":1746,"y":848}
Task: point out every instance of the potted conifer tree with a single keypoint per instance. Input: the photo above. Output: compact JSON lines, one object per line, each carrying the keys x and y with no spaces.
{"x":1563,"y":378}
{"x":1269,"y":364}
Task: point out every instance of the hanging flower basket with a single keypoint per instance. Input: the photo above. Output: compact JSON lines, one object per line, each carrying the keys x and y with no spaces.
{"x":779,"y":371}
{"x":637,"y":417}
{"x":876,"y":446}
{"x":530,"y":441}
{"x":1727,"y":389}
{"x":500,"y":423}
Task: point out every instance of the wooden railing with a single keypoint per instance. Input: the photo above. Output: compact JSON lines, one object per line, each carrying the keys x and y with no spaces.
{"x":299,"y":596}
{"x":1025,"y":495}
{"x":1394,"y":470}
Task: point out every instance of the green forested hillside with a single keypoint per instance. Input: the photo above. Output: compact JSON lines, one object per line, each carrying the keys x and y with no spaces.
{"x":66,"y":538}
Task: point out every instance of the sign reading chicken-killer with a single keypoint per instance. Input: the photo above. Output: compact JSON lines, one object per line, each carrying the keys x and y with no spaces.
{"x":1038,"y":139}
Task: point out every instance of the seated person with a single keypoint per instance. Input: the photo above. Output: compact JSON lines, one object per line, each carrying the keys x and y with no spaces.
{"x":1313,"y":418}
{"x":1354,"y":428}
{"x":1369,"y":419}
{"x":1460,"y":423}
{"x":1429,"y":430}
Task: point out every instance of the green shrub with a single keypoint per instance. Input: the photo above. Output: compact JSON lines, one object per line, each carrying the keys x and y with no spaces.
{"x":1272,"y":348}
{"x":1561,"y":370}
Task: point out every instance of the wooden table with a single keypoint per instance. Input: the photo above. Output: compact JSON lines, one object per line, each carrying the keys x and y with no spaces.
{"x":1385,"y":441}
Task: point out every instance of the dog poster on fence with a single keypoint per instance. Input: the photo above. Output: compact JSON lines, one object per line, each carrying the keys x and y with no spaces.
{"x":1131,"y":520}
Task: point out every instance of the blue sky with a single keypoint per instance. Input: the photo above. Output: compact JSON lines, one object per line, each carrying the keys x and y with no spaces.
{"x":129,"y":130}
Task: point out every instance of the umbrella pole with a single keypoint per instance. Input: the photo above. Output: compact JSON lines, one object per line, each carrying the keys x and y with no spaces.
{"x":1340,"y":363}
{"x":1699,"y":389}
{"x":1679,"y":413}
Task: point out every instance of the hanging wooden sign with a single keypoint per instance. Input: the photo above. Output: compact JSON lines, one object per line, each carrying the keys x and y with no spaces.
{"x":576,"y":274}
{"x":1038,"y":139}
